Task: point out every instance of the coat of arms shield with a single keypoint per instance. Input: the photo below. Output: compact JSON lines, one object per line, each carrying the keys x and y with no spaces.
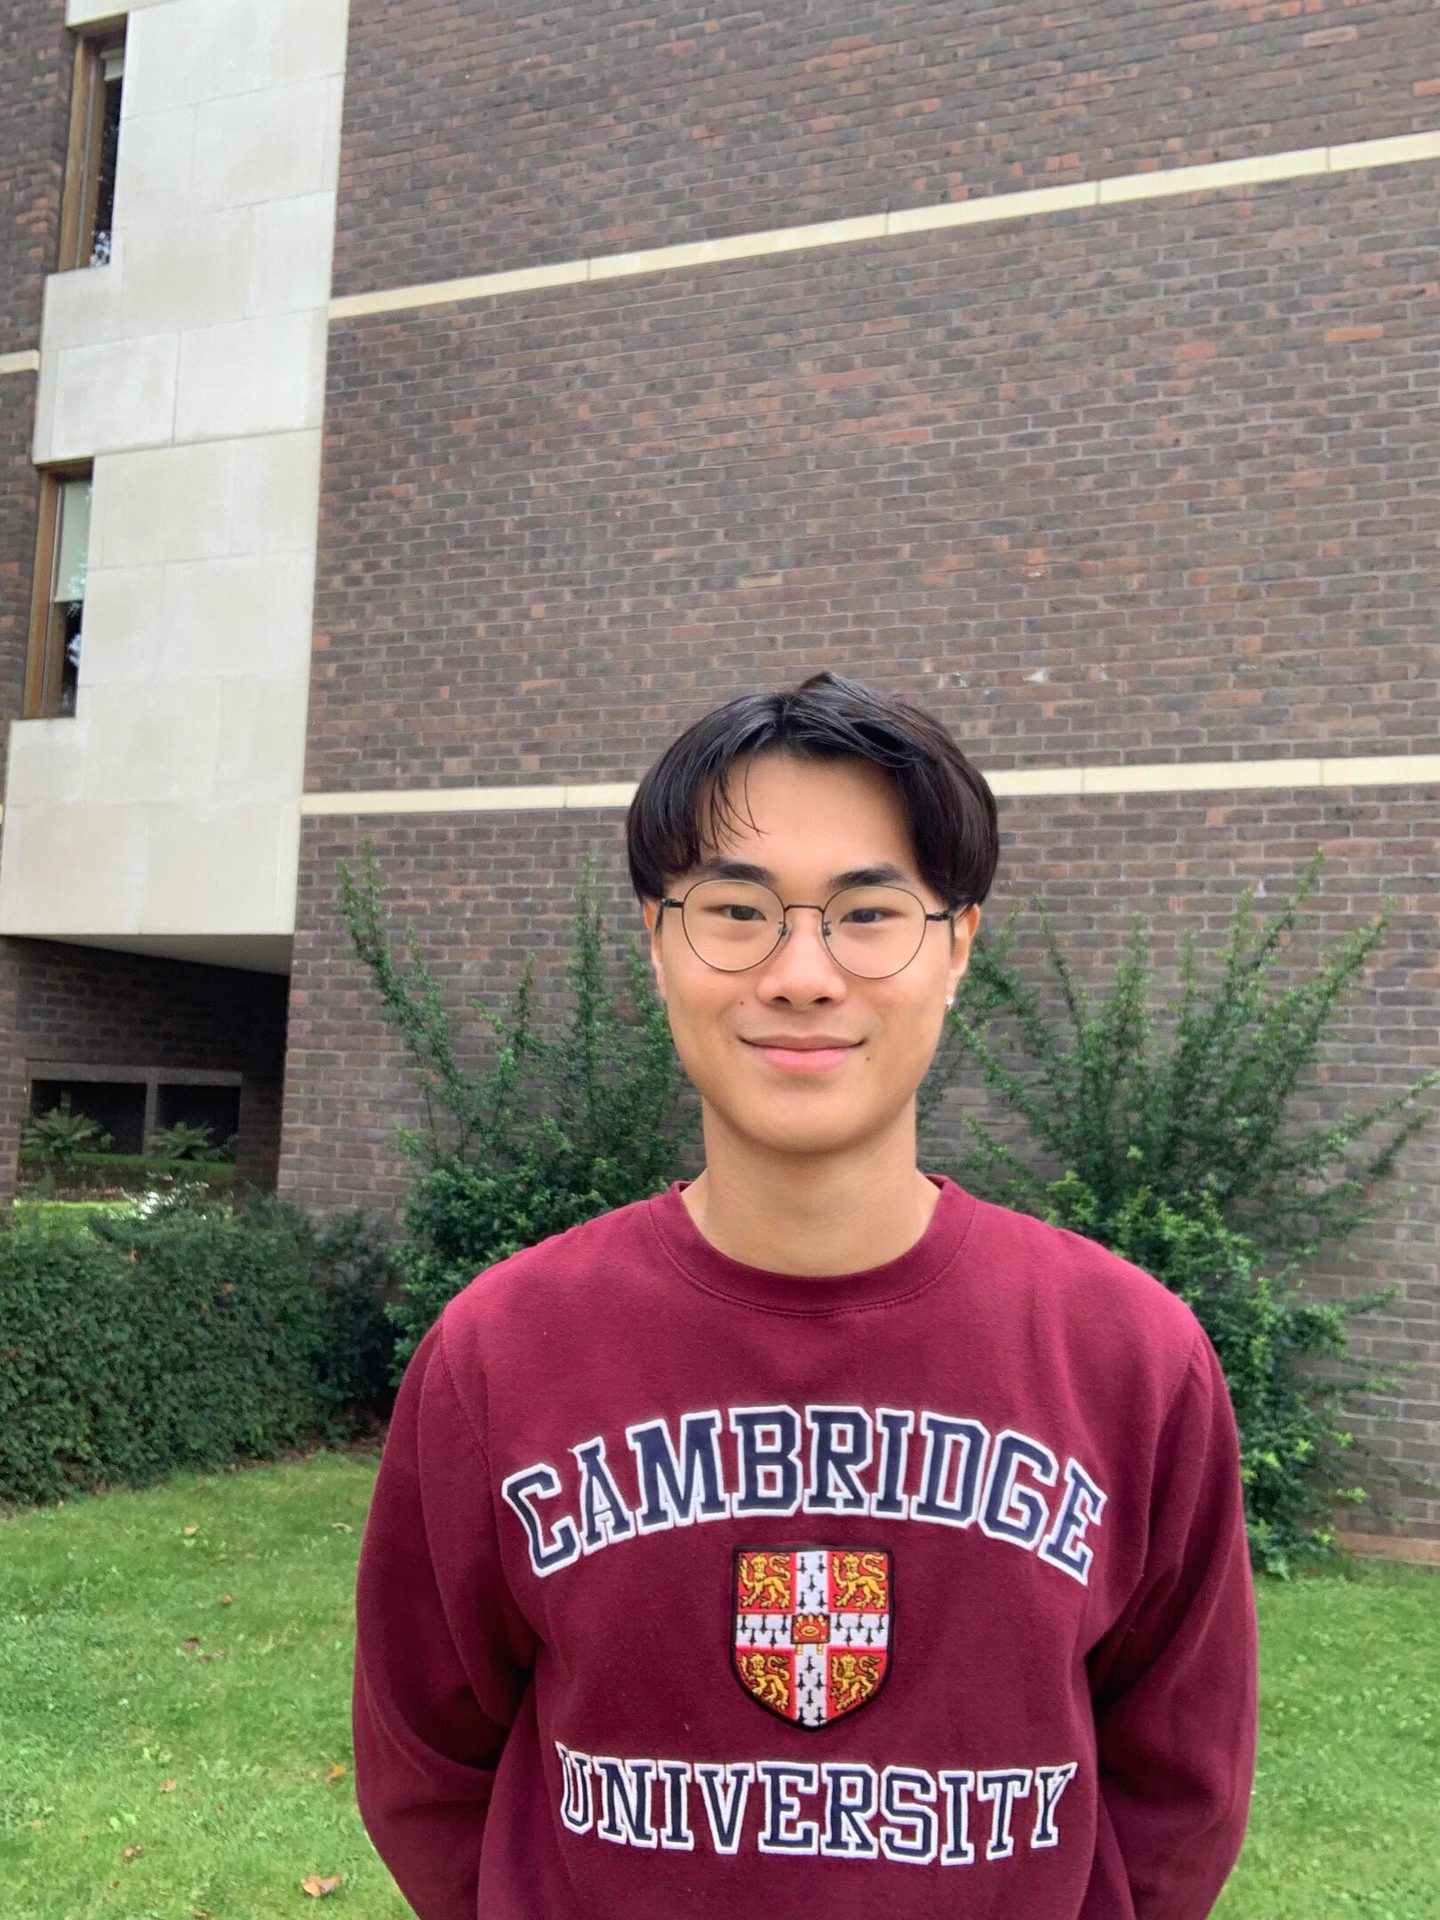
{"x":812,"y":1635}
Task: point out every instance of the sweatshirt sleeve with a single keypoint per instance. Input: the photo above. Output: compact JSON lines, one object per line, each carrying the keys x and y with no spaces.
{"x":1174,"y":1681}
{"x":441,"y":1662}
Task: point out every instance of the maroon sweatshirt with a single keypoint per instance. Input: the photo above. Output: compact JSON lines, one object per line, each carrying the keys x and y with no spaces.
{"x":691,"y":1588}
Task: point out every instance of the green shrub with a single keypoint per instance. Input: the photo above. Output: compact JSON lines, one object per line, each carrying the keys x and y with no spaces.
{"x":551,"y":1132}
{"x":181,"y":1142}
{"x":1266,"y":1332}
{"x":90,"y":1175}
{"x":59,"y":1137}
{"x":132,"y":1347}
{"x":1178,"y":1158}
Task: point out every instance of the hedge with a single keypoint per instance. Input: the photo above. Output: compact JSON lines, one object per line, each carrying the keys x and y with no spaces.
{"x":108,"y":1173}
{"x":132,"y":1348}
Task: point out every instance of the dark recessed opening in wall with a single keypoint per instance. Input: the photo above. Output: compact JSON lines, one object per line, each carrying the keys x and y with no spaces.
{"x":135,"y":1103}
{"x":116,"y":1106}
{"x":200,"y":1106}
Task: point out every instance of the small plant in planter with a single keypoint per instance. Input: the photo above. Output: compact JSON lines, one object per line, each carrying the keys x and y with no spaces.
{"x":58,"y":1138}
{"x":181,"y":1142}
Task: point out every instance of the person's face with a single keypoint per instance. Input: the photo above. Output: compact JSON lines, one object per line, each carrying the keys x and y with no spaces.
{"x":806,"y":823}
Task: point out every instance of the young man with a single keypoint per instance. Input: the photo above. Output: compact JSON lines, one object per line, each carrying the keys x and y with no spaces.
{"x":815,"y":1538}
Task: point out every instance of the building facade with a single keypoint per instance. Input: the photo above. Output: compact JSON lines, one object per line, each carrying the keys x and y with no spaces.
{"x":411,"y":414}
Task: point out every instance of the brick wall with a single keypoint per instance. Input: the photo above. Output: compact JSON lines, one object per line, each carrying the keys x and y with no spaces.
{"x":486,"y":890}
{"x":1153,"y":482}
{"x":35,"y":64}
{"x":35,"y":58}
{"x":86,"y":1005}
{"x":1146,"y":483}
{"x":34,"y":107}
{"x":12,"y":1079}
{"x":515,"y":135}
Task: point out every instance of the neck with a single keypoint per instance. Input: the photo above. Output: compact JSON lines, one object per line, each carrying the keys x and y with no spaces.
{"x":811,"y":1214}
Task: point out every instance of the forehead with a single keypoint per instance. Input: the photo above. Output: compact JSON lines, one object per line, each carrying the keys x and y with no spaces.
{"x":812,"y":820}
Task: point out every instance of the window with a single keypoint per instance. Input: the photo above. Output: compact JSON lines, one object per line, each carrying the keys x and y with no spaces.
{"x":199,"y":1104}
{"x":133,"y":1103}
{"x":88,"y":209}
{"x":58,"y":602}
{"x":117,"y":1107}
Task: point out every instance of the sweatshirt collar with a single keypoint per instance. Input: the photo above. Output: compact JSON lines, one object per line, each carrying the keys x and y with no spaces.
{"x":706,"y":1267}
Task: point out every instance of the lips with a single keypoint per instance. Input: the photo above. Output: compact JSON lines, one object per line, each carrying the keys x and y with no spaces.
{"x":813,"y":1053}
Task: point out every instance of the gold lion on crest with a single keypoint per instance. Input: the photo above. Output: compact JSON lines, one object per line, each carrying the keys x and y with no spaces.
{"x":861,"y":1584}
{"x":767,"y":1676}
{"x":764,"y":1582}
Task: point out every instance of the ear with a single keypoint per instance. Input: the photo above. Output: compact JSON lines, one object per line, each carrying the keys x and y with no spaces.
{"x":654,"y":922}
{"x":967,"y":924}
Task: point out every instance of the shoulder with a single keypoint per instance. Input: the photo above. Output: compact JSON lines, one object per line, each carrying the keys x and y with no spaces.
{"x":1092,"y":1298}
{"x":568,"y":1268}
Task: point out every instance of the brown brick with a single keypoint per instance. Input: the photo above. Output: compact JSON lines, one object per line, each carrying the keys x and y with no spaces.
{"x":605,"y":129}
{"x":488,"y":890}
{"x":85,"y":1005}
{"x":626,"y":500}
{"x":35,"y":60}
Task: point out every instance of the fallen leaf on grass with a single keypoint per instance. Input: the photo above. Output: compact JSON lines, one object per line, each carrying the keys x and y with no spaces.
{"x":188,"y":1531}
{"x":317,"y":1887}
{"x":37,"y":1824}
{"x":226,"y":1601}
{"x":189,"y":1646}
{"x":167,"y":1786}
{"x":341,"y":1526}
{"x":337,"y":1772}
{"x":132,"y":1853}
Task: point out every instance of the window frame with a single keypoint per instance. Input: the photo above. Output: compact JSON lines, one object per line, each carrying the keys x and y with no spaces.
{"x":80,"y":195}
{"x":45,"y":658}
{"x":152,"y":1078}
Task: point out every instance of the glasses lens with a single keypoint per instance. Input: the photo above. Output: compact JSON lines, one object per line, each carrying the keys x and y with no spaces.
{"x":874,"y":931}
{"x":732,"y":923}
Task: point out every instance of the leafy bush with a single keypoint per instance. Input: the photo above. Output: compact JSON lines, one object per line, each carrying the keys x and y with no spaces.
{"x":1265,"y":1331}
{"x":132,"y":1347}
{"x":59,"y":1137}
{"x":1178,"y":1159}
{"x":181,"y":1142}
{"x":106,"y":1175}
{"x":551,"y":1132}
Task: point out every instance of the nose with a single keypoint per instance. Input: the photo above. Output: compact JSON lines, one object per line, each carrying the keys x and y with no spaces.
{"x":802,"y":967}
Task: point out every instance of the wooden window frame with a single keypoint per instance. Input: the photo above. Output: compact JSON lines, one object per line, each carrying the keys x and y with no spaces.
{"x":45,"y":662}
{"x":81,"y":192}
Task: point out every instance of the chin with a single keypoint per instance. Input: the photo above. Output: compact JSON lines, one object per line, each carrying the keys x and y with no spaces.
{"x":787,"y":1130}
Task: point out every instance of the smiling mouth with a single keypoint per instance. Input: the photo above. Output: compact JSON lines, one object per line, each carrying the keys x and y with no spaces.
{"x":806,"y":1059}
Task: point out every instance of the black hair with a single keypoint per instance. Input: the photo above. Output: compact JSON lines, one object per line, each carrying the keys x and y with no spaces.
{"x":683,"y":802}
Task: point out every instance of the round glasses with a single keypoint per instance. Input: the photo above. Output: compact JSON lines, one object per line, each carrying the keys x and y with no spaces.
{"x":869,"y":931}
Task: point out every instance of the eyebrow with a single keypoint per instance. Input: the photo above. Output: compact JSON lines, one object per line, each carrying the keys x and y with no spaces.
{"x":884,"y":873}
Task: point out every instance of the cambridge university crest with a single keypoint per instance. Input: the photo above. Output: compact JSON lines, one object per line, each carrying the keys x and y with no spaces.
{"x":812,"y":1629}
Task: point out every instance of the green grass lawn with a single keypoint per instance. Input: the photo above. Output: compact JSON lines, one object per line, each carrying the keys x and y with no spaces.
{"x":175,"y":1668}
{"x":198,"y":1634}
